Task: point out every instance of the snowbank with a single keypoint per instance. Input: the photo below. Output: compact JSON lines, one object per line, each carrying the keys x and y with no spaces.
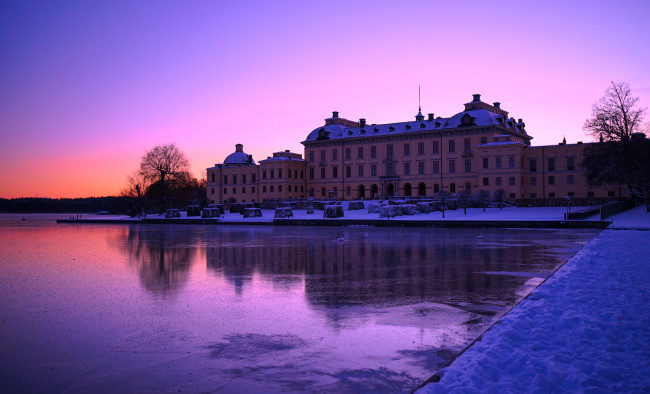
{"x":587,"y":328}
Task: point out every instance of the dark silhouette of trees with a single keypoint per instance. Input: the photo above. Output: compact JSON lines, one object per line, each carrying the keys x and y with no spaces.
{"x":623,"y":154}
{"x":464,"y":197}
{"x":499,"y":195}
{"x":483,"y":198}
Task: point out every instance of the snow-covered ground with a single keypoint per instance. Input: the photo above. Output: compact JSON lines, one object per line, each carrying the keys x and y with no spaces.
{"x":636,"y":217}
{"x":586,"y":329}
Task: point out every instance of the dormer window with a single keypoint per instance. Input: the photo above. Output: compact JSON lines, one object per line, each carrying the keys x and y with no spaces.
{"x":391,"y":128}
{"x":437,"y":124}
{"x":408,"y":127}
{"x":422,"y":125}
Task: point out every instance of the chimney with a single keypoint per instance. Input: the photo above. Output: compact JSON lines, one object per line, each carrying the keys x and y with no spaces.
{"x":430,"y":118}
{"x":239,"y":148}
{"x":520,"y":120}
{"x":477,"y":97}
{"x":286,"y":151}
{"x":335,"y":114}
{"x":362,"y":122}
{"x":497,"y":105}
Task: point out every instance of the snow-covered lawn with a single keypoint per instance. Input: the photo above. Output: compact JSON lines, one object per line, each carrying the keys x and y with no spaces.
{"x":587,"y":328}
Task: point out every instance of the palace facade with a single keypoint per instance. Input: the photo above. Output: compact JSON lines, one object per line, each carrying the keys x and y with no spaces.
{"x":478,"y":148}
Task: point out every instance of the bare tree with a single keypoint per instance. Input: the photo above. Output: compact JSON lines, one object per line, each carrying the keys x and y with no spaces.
{"x":164,"y":162}
{"x":623,"y":154}
{"x":165,"y":166}
{"x":614,"y":117}
{"x":464,"y":197}
{"x":482,"y":197}
{"x":499,"y":195}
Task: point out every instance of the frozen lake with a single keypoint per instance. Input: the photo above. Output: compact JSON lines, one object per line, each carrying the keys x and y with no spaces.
{"x":116,"y":308}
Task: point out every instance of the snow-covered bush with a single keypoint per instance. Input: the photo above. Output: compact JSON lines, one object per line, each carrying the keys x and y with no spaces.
{"x":333,"y":211}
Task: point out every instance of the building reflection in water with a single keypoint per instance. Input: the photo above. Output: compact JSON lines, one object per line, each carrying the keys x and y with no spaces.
{"x":162,"y":255}
{"x":375,"y":266}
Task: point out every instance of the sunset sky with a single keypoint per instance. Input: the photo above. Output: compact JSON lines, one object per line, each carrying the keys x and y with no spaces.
{"x":87,"y":87}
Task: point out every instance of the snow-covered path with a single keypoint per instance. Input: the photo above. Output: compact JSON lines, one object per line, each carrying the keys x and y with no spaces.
{"x":587,"y":328}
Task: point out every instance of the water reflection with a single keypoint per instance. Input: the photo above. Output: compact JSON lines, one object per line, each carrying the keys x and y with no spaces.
{"x":380,"y":267}
{"x":162,"y":259}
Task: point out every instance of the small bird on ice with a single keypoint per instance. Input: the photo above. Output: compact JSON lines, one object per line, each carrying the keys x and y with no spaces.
{"x":479,"y":235}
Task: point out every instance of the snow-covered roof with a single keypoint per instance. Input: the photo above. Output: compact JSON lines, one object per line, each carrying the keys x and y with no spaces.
{"x":469,"y":118}
{"x":239,"y":157}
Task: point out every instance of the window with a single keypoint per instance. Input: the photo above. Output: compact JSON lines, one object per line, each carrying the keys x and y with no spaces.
{"x":511,"y":162}
{"x":533,"y":195}
{"x":551,"y":195}
{"x":407,"y":149}
{"x":243,"y":179}
{"x":497,"y":181}
{"x":311,"y":155}
{"x":264,"y":174}
{"x":551,"y":180}
{"x":420,"y":148}
{"x":551,"y":164}
{"x":360,"y":153}
{"x":280,"y":174}
{"x":373,"y":170}
{"x":421,"y":168}
{"x":212,"y":190}
{"x":335,"y":154}
{"x":234,"y":190}
{"x":436,"y":147}
{"x":373,"y":152}
{"x":452,"y":165}
{"x":311,"y":173}
{"x":436,"y":188}
{"x":485,"y":162}
{"x":533,"y":165}
{"x":225,"y":179}
{"x":322,"y":172}
{"x":389,"y":150}
{"x":590,"y":194}
{"x":322,"y":155}
{"x":234,"y":179}
{"x":289,"y":173}
{"x":263,"y":189}
{"x":486,"y":181}
{"x":569,"y":180}
{"x":436,"y":167}
{"x":483,"y":140}
{"x":511,"y":181}
{"x":348,"y":191}
{"x":467,"y":145}
{"x":253,"y":176}
{"x":272,"y":174}
{"x":512,"y":195}
{"x":571,"y":194}
{"x":302,"y":175}
{"x":279,"y":188}
{"x":452,"y":146}
{"x":468,"y":165}
{"x":335,"y":172}
{"x":610,"y":194}
{"x":570,"y":163}
{"x":225,"y":190}
{"x":468,"y":187}
{"x":272,"y":189}
{"x":243,"y":189}
{"x":452,"y":188}
{"x":533,"y":181}
{"x":322,"y":192}
{"x":253,"y":189}
{"x":360,"y":171}
{"x":497,"y":162}
{"x":213,"y":177}
{"x":407,"y":168}
{"x":348,"y":154}
{"x":348,"y":171}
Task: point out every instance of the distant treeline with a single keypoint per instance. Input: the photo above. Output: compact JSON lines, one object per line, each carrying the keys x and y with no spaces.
{"x":59,"y":205}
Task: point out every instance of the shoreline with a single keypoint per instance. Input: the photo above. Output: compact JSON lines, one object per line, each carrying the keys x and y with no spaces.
{"x":555,"y":224}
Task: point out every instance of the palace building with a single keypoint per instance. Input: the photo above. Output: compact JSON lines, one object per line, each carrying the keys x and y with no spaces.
{"x":478,"y":148}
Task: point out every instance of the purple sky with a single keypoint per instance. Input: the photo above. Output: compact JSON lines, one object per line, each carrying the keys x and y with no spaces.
{"x":87,"y":87}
